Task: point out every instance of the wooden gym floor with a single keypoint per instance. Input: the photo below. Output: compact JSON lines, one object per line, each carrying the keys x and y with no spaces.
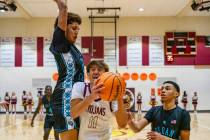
{"x":14,"y":127}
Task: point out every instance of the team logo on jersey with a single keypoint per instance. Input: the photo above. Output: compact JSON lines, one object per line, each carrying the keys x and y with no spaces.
{"x":173,"y":121}
{"x":70,"y":121}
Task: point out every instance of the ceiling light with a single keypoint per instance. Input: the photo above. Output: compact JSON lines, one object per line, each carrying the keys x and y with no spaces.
{"x":3,"y":9}
{"x":141,"y":9}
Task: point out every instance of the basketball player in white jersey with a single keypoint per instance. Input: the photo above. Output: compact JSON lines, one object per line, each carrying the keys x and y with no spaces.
{"x":95,"y":114}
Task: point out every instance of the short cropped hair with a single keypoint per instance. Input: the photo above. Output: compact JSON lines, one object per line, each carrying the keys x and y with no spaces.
{"x":92,"y":63}
{"x":72,"y":17}
{"x":176,"y":86}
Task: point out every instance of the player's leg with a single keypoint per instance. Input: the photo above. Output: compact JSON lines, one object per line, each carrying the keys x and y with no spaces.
{"x":46,"y":133}
{"x":56,"y":135}
{"x":64,"y":123}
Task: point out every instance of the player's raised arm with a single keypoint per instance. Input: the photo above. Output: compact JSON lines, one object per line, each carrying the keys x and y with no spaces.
{"x":63,"y":15}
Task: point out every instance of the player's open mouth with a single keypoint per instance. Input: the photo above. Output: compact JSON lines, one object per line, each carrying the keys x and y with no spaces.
{"x":95,"y":77}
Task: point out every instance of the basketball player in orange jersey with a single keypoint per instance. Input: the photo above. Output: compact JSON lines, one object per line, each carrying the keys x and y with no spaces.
{"x":95,"y":114}
{"x":168,"y":121}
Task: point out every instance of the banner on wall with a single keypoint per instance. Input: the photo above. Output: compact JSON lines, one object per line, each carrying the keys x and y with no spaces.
{"x":156,"y":51}
{"x":207,"y":41}
{"x":154,"y":56}
{"x":109,"y":51}
{"x":29,"y":52}
{"x":7,"y":52}
{"x":134,"y":51}
{"x":49,"y":60}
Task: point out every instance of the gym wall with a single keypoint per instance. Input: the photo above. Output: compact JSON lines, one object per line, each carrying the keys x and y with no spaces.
{"x":190,"y":77}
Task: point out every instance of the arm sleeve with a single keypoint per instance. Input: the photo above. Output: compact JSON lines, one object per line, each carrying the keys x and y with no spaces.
{"x":185,"y":123}
{"x":59,"y":42}
{"x":149,"y":114}
{"x":78,"y":91}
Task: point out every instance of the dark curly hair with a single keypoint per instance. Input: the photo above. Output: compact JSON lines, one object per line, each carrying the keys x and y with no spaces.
{"x":72,"y":17}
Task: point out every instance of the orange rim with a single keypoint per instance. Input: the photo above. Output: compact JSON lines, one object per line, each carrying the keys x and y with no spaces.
{"x":152,"y":76}
{"x":126,"y":76}
{"x":55,"y":76}
{"x":143,"y":76}
{"x":134,"y":76}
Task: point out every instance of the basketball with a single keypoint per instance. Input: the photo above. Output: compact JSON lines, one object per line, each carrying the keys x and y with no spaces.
{"x":114,"y":86}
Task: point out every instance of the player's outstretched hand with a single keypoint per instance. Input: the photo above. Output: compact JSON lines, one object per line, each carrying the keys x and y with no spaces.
{"x":155,"y":136}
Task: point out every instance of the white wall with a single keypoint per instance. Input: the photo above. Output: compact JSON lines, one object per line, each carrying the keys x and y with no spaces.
{"x":129,"y":26}
{"x":189,"y":78}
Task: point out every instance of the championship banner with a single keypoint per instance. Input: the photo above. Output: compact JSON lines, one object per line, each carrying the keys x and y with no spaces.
{"x":29,"y":52}
{"x":109,"y":51}
{"x":134,"y":51}
{"x":49,"y":60}
{"x":7,"y":52}
{"x":156,"y":51}
{"x":180,"y":43}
